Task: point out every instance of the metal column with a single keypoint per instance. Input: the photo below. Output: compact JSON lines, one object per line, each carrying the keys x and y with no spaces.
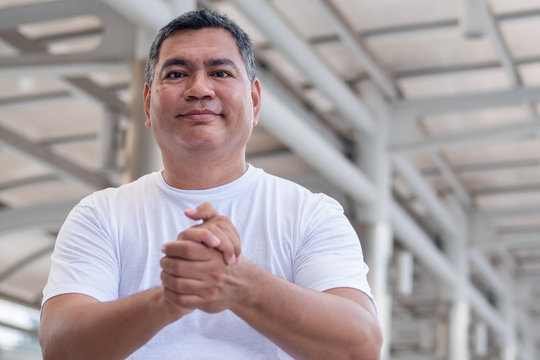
{"x":143,"y":155}
{"x":376,"y":230}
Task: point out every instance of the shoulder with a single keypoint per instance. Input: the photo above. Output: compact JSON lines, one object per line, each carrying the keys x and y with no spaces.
{"x":295,"y":194}
{"x":125,"y":191}
{"x":113,"y":200}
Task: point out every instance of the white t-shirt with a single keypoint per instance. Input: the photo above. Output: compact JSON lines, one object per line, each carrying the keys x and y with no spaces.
{"x":109,"y":248}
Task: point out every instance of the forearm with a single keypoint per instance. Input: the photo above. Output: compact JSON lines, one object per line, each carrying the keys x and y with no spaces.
{"x":102,"y":330}
{"x":306,"y":323}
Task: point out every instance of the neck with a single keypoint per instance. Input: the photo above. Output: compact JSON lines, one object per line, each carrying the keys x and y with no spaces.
{"x":199,"y":175}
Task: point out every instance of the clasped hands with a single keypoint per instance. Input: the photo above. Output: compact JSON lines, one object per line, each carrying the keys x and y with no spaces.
{"x":199,"y":269}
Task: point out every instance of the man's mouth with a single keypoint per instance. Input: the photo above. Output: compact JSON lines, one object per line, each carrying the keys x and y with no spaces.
{"x":199,"y":114}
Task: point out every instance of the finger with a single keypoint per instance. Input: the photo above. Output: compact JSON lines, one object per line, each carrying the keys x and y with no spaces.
{"x":201,"y":235}
{"x":188,"y":250}
{"x":182,"y":268}
{"x":226,"y":246}
{"x":188,"y":301}
{"x":182,"y":285}
{"x":211,"y":235}
{"x":202,"y":212}
{"x":224,"y":229}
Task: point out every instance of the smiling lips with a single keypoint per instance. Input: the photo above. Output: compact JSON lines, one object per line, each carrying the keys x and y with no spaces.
{"x":199,"y":114}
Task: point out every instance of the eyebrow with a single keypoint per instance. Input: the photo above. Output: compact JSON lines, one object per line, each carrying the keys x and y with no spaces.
{"x":210,"y":62}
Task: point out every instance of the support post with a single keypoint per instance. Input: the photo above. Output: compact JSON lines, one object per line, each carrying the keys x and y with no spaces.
{"x":375,"y":218}
{"x":508,"y":343}
{"x":143,"y":155}
{"x":459,"y":311}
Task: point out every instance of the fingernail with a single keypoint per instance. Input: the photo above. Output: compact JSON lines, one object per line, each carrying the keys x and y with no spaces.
{"x":189,"y":211}
{"x":163,"y":248}
{"x":215,"y":240}
{"x":237,"y":259}
{"x":232,"y":260}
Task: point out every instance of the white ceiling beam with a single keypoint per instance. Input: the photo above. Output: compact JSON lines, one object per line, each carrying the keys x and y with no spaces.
{"x":116,"y":46}
{"x":508,"y":242}
{"x":423,"y":190}
{"x":436,"y":25}
{"x":315,"y":150}
{"x":302,"y":139}
{"x":465,"y":102}
{"x":412,"y":236}
{"x":12,"y":17}
{"x":488,"y":273}
{"x":32,"y":333}
{"x":494,"y":33}
{"x":283,"y":97}
{"x":516,"y":131}
{"x":356,"y":44}
{"x":85,"y":87}
{"x":31,"y":180}
{"x":36,"y":216}
{"x":514,"y":189}
{"x":54,"y":162}
{"x":34,"y":98}
{"x":308,"y":62}
{"x":60,"y":66}
{"x":21,"y":42}
{"x":453,"y":180}
{"x":416,"y":240}
{"x":486,"y":311}
{"x":25,"y":261}
{"x":152,"y":14}
{"x":516,"y":211}
{"x":457,"y":68}
{"x":117,"y":40}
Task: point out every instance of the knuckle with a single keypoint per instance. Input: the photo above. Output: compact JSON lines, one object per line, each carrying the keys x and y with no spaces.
{"x":223,"y":219}
{"x":189,"y":252}
{"x":177,"y":267}
{"x":217,"y":276}
{"x":178,"y":284}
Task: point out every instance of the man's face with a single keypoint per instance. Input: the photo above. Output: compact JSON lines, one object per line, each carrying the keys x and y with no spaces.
{"x":201,"y":98}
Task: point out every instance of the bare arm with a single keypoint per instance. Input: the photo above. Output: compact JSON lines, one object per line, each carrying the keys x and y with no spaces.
{"x":75,"y":326}
{"x":336,"y":324}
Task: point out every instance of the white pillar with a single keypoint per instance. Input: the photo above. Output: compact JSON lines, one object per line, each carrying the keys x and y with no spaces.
{"x":377,"y":232}
{"x":459,"y":311}
{"x":108,"y":138}
{"x":379,"y":237}
{"x":508,"y":343}
{"x":480,"y":339}
{"x":458,"y":347}
{"x":142,"y":153}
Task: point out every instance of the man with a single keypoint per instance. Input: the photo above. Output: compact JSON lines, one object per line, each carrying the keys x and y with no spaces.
{"x":210,"y":258}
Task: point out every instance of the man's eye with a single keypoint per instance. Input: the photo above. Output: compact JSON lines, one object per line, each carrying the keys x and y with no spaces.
{"x":175,"y":75}
{"x":221,"y":74}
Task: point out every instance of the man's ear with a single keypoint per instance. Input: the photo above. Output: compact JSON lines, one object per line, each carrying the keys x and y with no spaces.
{"x":146,"y":101}
{"x":256,"y":99}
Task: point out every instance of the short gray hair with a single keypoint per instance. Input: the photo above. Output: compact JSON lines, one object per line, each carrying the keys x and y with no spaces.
{"x":201,"y":19}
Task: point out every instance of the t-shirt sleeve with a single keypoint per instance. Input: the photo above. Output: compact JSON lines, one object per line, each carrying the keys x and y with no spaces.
{"x":331,"y":254}
{"x":85,"y":259}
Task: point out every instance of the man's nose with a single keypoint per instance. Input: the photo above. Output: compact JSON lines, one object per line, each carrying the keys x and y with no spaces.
{"x":199,"y":86}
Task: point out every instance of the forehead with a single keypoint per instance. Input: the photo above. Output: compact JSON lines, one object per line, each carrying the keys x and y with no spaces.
{"x":207,"y":42}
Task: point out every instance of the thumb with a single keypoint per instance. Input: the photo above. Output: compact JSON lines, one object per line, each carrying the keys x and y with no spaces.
{"x":202,"y":212}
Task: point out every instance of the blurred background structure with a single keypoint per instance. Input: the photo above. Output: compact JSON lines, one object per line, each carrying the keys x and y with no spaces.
{"x":422,"y":117}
